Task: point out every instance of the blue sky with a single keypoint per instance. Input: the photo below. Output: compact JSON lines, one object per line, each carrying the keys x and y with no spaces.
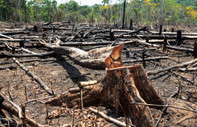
{"x":86,"y":2}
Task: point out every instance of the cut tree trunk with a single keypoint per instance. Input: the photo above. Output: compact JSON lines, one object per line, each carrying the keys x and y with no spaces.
{"x":121,"y":86}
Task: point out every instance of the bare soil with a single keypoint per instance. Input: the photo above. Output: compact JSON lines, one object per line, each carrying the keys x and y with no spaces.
{"x":61,"y":73}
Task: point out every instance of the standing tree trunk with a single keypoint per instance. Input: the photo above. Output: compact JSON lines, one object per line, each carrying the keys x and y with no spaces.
{"x":123,"y":17}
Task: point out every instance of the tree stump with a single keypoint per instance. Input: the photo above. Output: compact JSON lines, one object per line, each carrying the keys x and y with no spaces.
{"x":121,"y":86}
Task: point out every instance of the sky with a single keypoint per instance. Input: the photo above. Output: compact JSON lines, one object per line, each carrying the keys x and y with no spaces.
{"x":85,"y":2}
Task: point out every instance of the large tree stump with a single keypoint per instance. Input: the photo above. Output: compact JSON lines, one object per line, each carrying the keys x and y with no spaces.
{"x":121,"y":86}
{"x":129,"y":84}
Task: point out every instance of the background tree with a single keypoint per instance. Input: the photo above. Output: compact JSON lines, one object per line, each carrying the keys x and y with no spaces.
{"x":172,"y":12}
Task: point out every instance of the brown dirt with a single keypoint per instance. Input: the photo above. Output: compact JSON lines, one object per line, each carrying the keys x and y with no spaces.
{"x":62,"y":74}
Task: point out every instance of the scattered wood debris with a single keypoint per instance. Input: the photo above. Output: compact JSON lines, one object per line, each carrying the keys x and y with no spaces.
{"x":125,"y":76}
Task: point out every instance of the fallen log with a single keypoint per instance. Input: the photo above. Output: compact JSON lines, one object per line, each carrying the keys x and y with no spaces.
{"x":93,"y":59}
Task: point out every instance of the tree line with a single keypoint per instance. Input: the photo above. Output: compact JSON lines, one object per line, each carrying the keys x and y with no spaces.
{"x":172,"y":12}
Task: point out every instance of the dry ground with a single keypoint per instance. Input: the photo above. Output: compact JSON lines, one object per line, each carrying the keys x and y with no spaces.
{"x":61,"y":73}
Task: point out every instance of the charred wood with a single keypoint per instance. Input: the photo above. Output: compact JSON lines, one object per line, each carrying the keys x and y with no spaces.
{"x":6,"y":55}
{"x":172,"y":67}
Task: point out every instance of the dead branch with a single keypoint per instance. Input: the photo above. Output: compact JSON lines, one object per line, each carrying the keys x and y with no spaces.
{"x":108,"y":118}
{"x":143,"y":42}
{"x":188,"y":69}
{"x":85,"y":43}
{"x":26,"y":50}
{"x":170,"y":106}
{"x":3,"y":55}
{"x":175,"y":33}
{"x":8,"y":67}
{"x":183,"y":78}
{"x":8,"y":119}
{"x":4,"y":36}
{"x":146,"y":59}
{"x":154,"y":72}
{"x":13,"y":111}
{"x":31,"y":60}
{"x":37,"y":79}
{"x":13,"y":104}
{"x":14,"y":33}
